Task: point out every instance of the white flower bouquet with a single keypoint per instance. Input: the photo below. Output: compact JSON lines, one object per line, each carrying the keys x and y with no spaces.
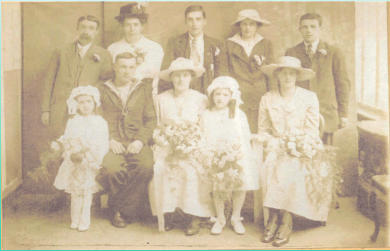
{"x":299,"y":144}
{"x":323,"y":176}
{"x":181,"y":138}
{"x":220,"y":167}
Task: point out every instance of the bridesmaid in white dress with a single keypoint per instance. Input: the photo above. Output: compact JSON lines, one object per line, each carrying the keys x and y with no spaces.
{"x":286,"y":112}
{"x":224,"y":125}
{"x":185,"y":191}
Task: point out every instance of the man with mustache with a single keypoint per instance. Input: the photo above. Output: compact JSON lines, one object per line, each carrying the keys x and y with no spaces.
{"x":200,"y":48}
{"x":331,"y":83}
{"x":78,"y":63}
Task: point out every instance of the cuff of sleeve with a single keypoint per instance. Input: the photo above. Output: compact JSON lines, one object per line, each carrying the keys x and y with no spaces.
{"x":144,"y":140}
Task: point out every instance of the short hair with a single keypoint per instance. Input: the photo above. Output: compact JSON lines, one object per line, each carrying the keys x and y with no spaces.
{"x":193,"y":8}
{"x":89,"y":18}
{"x":124,"y":55}
{"x":311,"y":16}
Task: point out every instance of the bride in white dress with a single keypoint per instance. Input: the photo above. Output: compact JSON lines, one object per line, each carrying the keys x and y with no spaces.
{"x":182,"y":189}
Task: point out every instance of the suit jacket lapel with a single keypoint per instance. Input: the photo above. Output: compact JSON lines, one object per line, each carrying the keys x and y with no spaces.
{"x":305,"y":59}
{"x":183,"y":46}
{"x":207,"y":54}
{"x":73,"y":61}
{"x":238,"y":51}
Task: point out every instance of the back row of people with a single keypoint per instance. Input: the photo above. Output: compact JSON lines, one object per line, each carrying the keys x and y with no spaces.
{"x":84,"y":63}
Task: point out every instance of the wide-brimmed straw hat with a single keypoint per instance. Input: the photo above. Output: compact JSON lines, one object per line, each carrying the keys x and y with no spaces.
{"x":251,"y":14}
{"x":289,"y":62}
{"x":136,"y":10}
{"x":181,"y":64}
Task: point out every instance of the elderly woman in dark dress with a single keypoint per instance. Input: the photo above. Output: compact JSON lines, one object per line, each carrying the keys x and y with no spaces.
{"x":247,"y":51}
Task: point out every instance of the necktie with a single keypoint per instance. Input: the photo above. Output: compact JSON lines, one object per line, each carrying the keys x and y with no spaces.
{"x":310,"y":52}
{"x":195,"y":55}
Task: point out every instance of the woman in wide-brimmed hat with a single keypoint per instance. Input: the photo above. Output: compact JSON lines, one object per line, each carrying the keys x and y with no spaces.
{"x":176,"y":180}
{"x":247,"y":51}
{"x":132,"y":18}
{"x":295,"y":179}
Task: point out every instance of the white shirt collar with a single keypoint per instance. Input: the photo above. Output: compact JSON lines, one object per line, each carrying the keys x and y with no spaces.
{"x":82,"y":49}
{"x":139,"y":42}
{"x":314,"y":45}
{"x":123,"y":92}
{"x":247,"y":45}
{"x":199,"y":38}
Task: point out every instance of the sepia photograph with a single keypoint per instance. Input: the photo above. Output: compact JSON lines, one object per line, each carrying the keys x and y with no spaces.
{"x":195,"y":125}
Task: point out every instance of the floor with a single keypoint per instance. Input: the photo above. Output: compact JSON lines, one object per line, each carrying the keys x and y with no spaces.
{"x":346,"y":228}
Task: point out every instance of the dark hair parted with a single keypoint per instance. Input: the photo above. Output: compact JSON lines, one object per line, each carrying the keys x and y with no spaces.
{"x":143,"y":18}
{"x":193,"y":8}
{"x":311,"y":16}
{"x":124,"y":55}
{"x":89,"y":18}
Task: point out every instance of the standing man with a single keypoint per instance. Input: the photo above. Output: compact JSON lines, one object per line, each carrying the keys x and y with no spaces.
{"x":331,"y":83}
{"x":200,"y":48}
{"x":78,"y":63}
{"x":128,"y":167}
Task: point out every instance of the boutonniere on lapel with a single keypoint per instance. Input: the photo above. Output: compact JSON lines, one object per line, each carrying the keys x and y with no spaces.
{"x":323,"y":52}
{"x":96,"y":57}
{"x":140,"y":55}
{"x":259,"y":59}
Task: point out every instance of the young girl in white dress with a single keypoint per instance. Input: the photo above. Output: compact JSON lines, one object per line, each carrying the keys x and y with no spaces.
{"x":224,"y":124}
{"x":84,"y":144}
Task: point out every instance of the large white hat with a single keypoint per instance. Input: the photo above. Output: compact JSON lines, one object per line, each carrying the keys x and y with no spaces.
{"x":226,"y":82}
{"x":289,"y":62}
{"x":251,"y":14}
{"x":181,"y":64}
{"x":82,"y":90}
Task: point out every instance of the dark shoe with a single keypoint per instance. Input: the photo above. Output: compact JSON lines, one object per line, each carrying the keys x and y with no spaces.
{"x":118,"y":221}
{"x":280,"y":241}
{"x":168,"y":227}
{"x":284,"y":231}
{"x":193,"y":228}
{"x":270,"y":230}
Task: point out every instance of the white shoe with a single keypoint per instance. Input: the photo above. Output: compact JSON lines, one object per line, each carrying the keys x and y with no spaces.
{"x":74,"y":226}
{"x":238,"y":227}
{"x":218,"y":227}
{"x":83,"y":228}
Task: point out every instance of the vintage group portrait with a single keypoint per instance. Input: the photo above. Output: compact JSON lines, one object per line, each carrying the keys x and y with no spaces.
{"x":194,"y":125}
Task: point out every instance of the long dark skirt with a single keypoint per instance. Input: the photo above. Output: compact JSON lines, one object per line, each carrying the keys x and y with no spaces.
{"x":126,"y":179}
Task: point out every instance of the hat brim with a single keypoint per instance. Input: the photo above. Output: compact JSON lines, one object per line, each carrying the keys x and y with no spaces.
{"x":303,"y":73}
{"x":166,"y":74}
{"x":260,"y":21}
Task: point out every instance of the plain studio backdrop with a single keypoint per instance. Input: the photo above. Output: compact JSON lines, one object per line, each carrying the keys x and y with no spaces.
{"x":46,"y":26}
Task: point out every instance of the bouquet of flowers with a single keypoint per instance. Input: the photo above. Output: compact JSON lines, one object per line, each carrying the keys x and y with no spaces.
{"x":75,"y":148}
{"x":181,"y":138}
{"x":220,"y":166}
{"x":322,"y":174}
{"x":299,"y":144}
